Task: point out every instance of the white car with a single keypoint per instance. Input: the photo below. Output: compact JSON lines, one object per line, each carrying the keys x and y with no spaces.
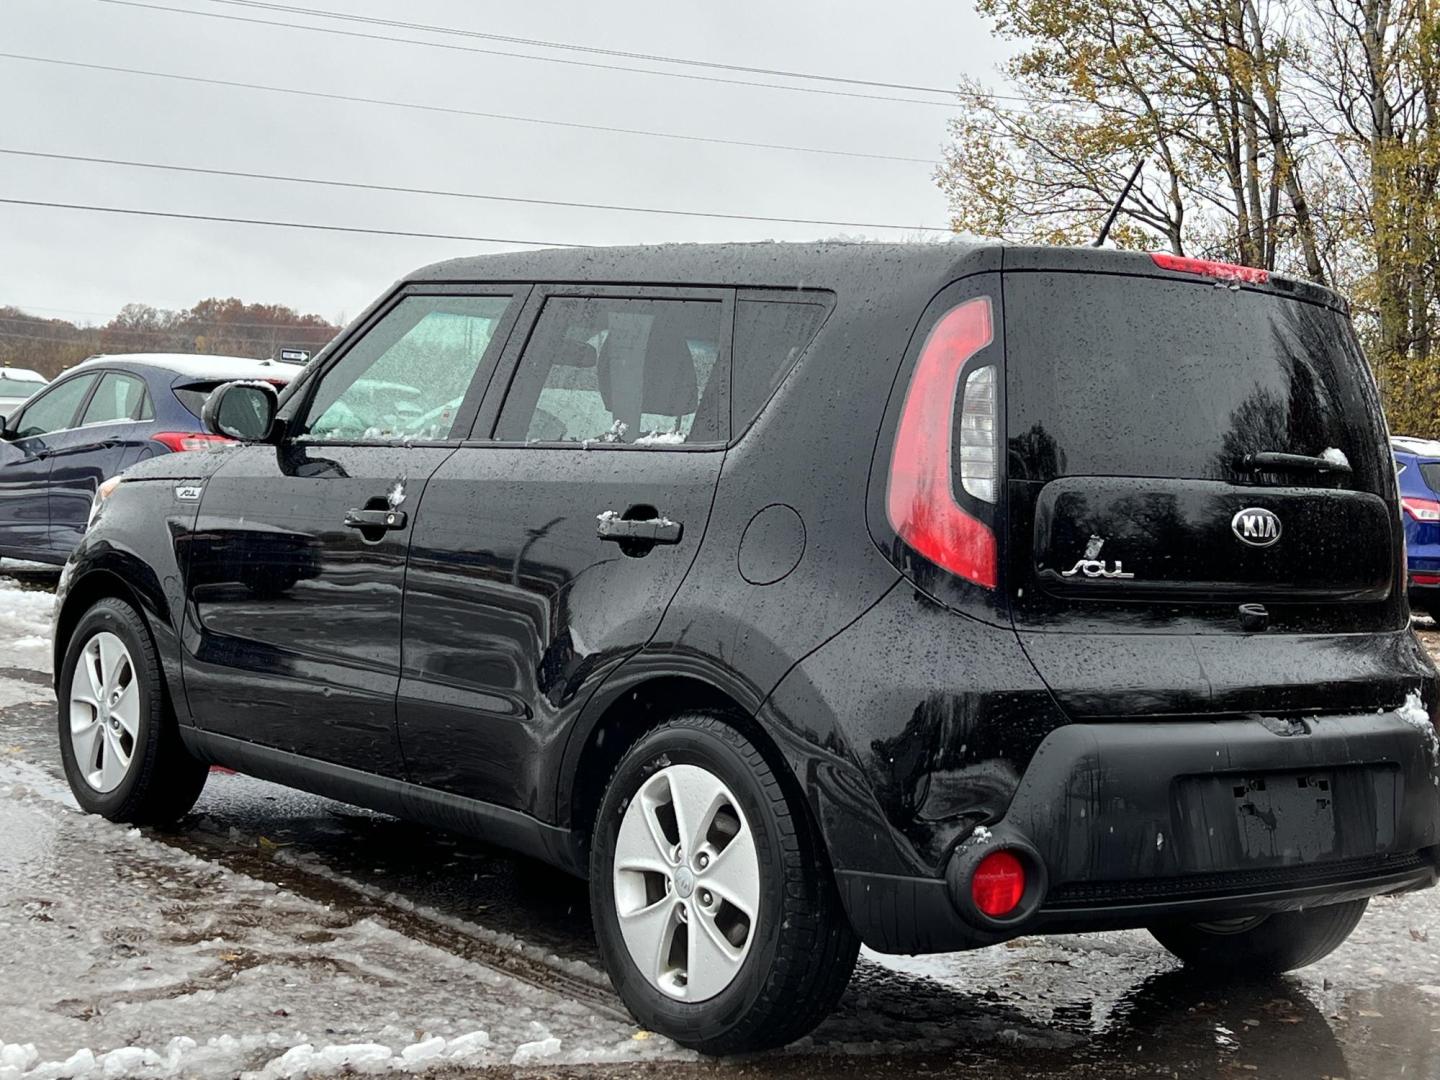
{"x":17,"y":385}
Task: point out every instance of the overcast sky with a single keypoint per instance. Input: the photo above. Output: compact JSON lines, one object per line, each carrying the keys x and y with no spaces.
{"x":83,"y":266}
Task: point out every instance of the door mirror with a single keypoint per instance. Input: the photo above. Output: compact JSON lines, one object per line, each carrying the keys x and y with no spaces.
{"x":241,"y":410}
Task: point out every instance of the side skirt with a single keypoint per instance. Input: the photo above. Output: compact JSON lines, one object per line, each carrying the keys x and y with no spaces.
{"x":496,"y":825}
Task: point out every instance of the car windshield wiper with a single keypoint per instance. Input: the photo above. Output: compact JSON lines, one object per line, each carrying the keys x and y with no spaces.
{"x":1271,"y":461}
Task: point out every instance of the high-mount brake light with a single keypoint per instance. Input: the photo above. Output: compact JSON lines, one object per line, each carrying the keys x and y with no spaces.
{"x":920,"y":493}
{"x":1209,"y":268}
{"x":1421,"y":509}
{"x":176,"y":441}
{"x":998,"y":884}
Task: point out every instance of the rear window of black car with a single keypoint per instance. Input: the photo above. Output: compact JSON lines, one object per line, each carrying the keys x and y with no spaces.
{"x":770,"y":335}
{"x":1129,"y":376}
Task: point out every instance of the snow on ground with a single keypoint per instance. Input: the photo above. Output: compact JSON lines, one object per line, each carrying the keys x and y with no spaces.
{"x":24,"y":621}
{"x":128,"y":957}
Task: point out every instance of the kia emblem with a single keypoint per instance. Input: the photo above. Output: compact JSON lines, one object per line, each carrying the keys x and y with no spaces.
{"x":1256,"y":526}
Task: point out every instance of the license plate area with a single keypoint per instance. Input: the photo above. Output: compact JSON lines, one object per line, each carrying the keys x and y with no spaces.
{"x":1252,"y":820}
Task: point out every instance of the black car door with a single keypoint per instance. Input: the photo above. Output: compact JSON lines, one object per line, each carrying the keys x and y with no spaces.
{"x":25,"y":461}
{"x":298,"y":554}
{"x":546,"y":551}
{"x":103,"y":442}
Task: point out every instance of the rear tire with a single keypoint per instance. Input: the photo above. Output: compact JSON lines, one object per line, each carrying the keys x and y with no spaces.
{"x":136,"y":769}
{"x":789,"y":959}
{"x":1269,"y":945}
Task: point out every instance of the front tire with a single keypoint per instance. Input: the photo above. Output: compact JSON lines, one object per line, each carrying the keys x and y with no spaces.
{"x":118,"y":739}
{"x":714,"y":904}
{"x":1266,"y":945}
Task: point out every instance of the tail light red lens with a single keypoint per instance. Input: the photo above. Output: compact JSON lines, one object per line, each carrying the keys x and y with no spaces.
{"x":998,"y":884}
{"x":1421,"y":509}
{"x":176,"y":441}
{"x":1209,"y":268}
{"x":1422,"y":578}
{"x":920,"y":493}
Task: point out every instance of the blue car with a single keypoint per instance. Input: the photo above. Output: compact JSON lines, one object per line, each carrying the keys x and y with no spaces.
{"x":93,"y":422}
{"x":1417,"y":463}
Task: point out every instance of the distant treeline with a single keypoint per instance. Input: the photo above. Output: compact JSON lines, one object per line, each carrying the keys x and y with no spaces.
{"x":229,"y":327}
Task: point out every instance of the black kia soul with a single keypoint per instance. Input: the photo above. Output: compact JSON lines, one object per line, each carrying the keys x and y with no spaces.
{"x":802,"y":596}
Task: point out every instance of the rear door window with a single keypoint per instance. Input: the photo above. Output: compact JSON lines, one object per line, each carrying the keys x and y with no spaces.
{"x":770,"y":335}
{"x":618,"y":370}
{"x":118,"y":397}
{"x":1132,"y":376}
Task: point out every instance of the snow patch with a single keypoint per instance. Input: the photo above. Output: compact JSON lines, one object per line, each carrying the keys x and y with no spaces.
{"x":1335,"y":456}
{"x":1414,"y":713}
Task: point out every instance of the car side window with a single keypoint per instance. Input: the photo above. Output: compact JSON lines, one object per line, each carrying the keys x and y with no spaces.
{"x":770,"y":335}
{"x":118,"y":397}
{"x":407,"y":377}
{"x":617,"y":370}
{"x":54,"y":410}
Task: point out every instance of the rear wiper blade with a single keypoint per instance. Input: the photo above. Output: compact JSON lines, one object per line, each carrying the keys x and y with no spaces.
{"x":1271,"y":461}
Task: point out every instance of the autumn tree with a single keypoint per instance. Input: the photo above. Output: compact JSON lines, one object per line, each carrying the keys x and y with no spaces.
{"x":1293,"y":135}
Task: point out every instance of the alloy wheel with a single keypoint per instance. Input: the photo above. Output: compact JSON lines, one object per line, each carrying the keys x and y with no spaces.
{"x":104,"y":711}
{"x":687,"y":883}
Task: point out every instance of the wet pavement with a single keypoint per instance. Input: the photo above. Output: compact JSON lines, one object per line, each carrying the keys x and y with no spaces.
{"x":277,"y":919}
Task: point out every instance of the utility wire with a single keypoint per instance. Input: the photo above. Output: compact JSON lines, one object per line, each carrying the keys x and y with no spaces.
{"x":284,"y":224}
{"x":357,"y":185}
{"x":452,"y":111}
{"x":391,"y":38}
{"x":291,"y":9}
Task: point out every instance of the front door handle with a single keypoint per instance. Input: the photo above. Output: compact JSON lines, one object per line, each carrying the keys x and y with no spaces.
{"x":646,"y":531}
{"x":375,"y":520}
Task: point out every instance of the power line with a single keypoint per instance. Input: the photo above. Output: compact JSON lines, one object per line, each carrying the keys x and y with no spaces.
{"x":453,"y":111}
{"x":284,"y":224}
{"x":390,"y":38}
{"x":175,"y":309}
{"x":357,"y":185}
{"x":428,"y":28}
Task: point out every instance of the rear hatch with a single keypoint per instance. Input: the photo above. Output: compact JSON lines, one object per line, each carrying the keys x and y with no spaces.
{"x":1201,"y":510}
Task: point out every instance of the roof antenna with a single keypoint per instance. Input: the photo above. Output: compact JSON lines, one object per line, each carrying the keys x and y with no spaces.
{"x":1115,"y":210}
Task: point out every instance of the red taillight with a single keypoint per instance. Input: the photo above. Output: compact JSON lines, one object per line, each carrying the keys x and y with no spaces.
{"x":176,"y":441}
{"x":920,"y":495}
{"x":1210,"y":268}
{"x":1421,"y":509}
{"x":1421,"y":578}
{"x":998,"y":884}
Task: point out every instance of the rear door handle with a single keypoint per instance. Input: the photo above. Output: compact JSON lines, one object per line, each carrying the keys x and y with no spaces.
{"x":375,"y":520}
{"x":655,"y":530}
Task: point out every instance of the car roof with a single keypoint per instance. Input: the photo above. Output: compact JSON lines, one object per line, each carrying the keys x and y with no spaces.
{"x":862,"y":266}
{"x":1415,"y":447}
{"x":826,"y":264}
{"x":8,"y":372}
{"x":200,"y":366}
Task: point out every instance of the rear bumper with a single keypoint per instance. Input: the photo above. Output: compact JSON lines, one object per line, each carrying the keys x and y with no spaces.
{"x":1132,"y":823}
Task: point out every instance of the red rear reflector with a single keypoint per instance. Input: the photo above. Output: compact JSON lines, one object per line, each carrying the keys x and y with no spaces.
{"x":1421,"y":509}
{"x":1425,"y":579}
{"x":998,"y":884}
{"x":1209,"y":268}
{"x":920,"y":495}
{"x":176,"y":441}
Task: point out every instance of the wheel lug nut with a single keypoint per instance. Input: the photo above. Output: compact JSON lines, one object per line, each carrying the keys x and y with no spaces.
{"x":705,"y":898}
{"x":702,"y":861}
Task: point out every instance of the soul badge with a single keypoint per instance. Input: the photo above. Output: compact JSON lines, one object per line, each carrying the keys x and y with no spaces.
{"x":1092,"y":566}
